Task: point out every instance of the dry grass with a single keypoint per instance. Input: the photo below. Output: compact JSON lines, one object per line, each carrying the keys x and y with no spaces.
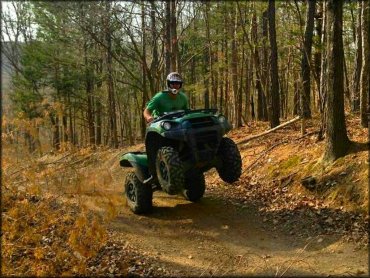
{"x":54,"y":208}
{"x":49,"y":227}
{"x":343,"y":183}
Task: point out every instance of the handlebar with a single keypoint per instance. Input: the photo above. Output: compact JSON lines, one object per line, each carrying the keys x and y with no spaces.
{"x":180,"y":113}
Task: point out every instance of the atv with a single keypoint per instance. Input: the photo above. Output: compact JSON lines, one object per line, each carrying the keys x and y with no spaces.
{"x":180,"y":147}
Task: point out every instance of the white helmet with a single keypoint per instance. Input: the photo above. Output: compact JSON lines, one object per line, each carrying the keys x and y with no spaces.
{"x":174,"y":77}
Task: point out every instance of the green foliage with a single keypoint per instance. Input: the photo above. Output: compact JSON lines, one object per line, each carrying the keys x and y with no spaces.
{"x":291,"y":162}
{"x":68,"y":53}
{"x":284,"y":167}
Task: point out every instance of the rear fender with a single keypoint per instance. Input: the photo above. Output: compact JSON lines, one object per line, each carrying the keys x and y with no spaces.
{"x":139,"y":162}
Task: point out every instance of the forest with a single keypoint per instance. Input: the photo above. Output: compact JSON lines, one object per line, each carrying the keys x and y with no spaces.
{"x":292,"y":79}
{"x":81,"y":73}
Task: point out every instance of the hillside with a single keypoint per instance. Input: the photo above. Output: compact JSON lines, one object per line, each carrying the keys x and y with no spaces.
{"x":6,"y":74}
{"x":64,"y":213}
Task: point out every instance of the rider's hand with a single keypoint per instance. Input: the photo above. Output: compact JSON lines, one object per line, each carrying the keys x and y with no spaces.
{"x":149,"y":120}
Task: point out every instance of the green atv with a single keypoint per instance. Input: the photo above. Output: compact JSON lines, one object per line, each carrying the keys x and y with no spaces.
{"x":180,"y":147}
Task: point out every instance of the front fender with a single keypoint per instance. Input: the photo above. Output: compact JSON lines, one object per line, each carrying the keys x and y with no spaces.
{"x":137,"y":160}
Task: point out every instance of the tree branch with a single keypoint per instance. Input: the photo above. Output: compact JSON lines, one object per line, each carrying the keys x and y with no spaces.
{"x":269,"y":131}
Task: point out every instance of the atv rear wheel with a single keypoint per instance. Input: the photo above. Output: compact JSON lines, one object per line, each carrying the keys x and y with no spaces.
{"x":194,"y":188}
{"x":139,"y":196}
{"x":170,"y":170}
{"x":231,"y":162}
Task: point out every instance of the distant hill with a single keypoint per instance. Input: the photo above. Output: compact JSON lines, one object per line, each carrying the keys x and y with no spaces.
{"x":5,"y":66}
{"x":6,"y":73}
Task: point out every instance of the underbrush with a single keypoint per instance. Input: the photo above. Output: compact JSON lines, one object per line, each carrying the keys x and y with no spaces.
{"x":43,"y":236}
{"x":55,"y":207}
{"x":48,"y":227}
{"x":340,"y":184}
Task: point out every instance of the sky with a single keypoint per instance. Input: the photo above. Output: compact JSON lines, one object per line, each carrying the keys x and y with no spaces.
{"x":6,"y":7}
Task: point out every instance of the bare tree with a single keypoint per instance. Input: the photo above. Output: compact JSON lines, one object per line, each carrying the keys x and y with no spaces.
{"x":110,"y":84}
{"x":337,"y":142}
{"x":234,"y":66}
{"x":306,"y":61}
{"x":144,"y":69}
{"x":274,"y":102}
{"x":323,"y":67}
{"x":174,"y":42}
{"x":154,"y":67}
{"x":167,"y":39}
{"x":206,"y":57}
{"x":355,"y":96}
{"x":364,"y":87}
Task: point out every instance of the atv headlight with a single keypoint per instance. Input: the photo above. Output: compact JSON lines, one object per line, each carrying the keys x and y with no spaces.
{"x":222,"y":119}
{"x":166,"y":125}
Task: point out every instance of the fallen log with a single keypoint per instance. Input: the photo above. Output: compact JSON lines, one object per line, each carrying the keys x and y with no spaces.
{"x":269,"y":131}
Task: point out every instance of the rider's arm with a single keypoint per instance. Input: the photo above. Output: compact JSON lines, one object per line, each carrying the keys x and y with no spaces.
{"x":151,"y":107}
{"x":148,"y":116}
{"x":186,"y":102}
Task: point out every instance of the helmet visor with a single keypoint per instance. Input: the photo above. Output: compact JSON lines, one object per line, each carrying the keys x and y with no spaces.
{"x":175,"y":82}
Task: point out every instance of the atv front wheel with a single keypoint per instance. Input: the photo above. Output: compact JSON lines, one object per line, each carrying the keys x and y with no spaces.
{"x":231,"y":162}
{"x":194,"y":188}
{"x":139,"y":196}
{"x":170,"y":170}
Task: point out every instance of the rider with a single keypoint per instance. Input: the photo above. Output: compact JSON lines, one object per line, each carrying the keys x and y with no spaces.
{"x":168,"y":100}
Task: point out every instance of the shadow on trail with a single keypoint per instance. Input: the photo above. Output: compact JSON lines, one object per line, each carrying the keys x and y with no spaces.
{"x":356,"y":147}
{"x":175,"y":207}
{"x":242,"y":225}
{"x":228,"y":237}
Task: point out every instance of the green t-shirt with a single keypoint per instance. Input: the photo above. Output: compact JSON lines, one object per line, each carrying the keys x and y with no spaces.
{"x":162,"y":102}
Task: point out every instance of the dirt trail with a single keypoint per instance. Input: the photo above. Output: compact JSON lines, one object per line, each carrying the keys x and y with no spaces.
{"x":248,"y":231}
{"x":219,"y":237}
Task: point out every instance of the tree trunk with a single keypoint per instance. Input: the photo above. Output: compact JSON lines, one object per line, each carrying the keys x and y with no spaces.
{"x":318,"y":50}
{"x":282,"y":94}
{"x":174,"y":46}
{"x":274,"y":101}
{"x":305,"y":99}
{"x":234,"y":66}
{"x":70,"y":114}
{"x":265,"y":66}
{"x":242,"y":85}
{"x":65,"y":127}
{"x":221,"y":83}
{"x":206,"y":78}
{"x":28,"y":141}
{"x":111,"y":95}
{"x":55,"y":125}
{"x":167,"y":38}
{"x":323,"y":75}
{"x":121,"y":121}
{"x":346,"y":81}
{"x":99,"y":106}
{"x":226,"y":71}
{"x":337,"y":143}
{"x":90,"y":98}
{"x":206,"y":58}
{"x":261,"y":116}
{"x":214,"y":76}
{"x":355,"y":92}
{"x":212,"y":52}
{"x":143,"y":72}
{"x":297,"y":93}
{"x":287,"y":78}
{"x":365,"y":71}
{"x":154,"y":67}
{"x":249,"y":105}
{"x":98,"y":123}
